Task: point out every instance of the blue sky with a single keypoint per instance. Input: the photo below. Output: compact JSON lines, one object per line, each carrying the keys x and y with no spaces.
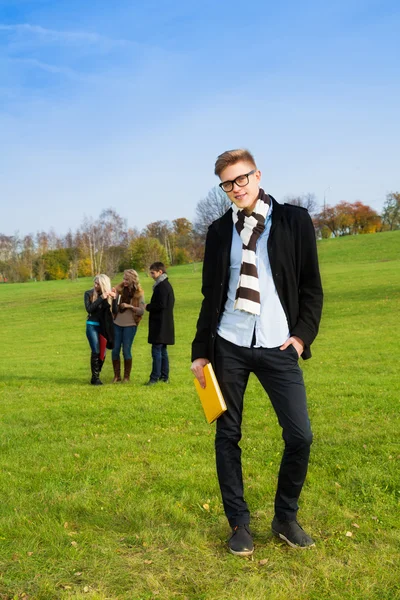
{"x":127,"y":104}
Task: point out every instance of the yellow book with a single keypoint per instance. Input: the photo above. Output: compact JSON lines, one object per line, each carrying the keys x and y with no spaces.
{"x":211,"y":397}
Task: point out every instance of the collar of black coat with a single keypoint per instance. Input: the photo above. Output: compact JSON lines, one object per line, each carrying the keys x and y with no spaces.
{"x":223,"y":225}
{"x":160,"y":279}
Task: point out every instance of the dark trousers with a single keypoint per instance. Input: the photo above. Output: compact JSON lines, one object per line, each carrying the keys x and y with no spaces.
{"x":160,"y":369}
{"x":281,"y":377}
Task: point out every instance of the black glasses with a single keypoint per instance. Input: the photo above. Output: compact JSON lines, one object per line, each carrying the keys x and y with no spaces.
{"x":240,"y":181}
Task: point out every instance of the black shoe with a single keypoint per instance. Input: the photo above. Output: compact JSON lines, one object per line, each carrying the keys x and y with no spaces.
{"x":291,"y":533}
{"x":163,"y":380}
{"x":151,"y":382}
{"x":241,"y":542}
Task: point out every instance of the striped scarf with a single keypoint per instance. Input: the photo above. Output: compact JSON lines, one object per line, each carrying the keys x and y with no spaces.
{"x":250,"y":228}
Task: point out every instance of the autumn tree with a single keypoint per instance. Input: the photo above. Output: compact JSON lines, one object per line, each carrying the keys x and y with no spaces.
{"x":55,"y":263}
{"x":145,"y":251}
{"x":161,"y":231}
{"x":364,"y":219}
{"x":6,"y":246}
{"x":326,"y":222}
{"x":182,"y":229}
{"x":182,"y":241}
{"x":391,"y":211}
{"x":42,"y":242}
{"x":344,"y":218}
{"x":69,"y":240}
{"x":347,"y":218}
{"x":13,"y":267}
{"x":28,"y":253}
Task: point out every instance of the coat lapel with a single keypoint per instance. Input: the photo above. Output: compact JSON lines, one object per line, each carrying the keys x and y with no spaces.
{"x":224,"y":231}
{"x":277,"y":213}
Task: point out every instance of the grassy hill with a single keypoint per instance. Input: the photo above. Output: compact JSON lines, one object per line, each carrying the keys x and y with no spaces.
{"x":360,"y":248}
{"x":111,"y":493}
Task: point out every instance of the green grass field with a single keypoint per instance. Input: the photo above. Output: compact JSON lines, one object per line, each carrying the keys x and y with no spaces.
{"x":111,"y":492}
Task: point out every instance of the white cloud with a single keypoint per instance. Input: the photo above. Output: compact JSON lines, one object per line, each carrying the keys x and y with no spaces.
{"x":48,"y":68}
{"x":65,"y":37}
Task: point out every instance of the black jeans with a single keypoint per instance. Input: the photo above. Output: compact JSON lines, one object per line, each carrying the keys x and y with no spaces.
{"x":281,"y":377}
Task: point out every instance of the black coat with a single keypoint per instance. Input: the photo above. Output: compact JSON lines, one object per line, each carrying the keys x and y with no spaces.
{"x":293,"y":257}
{"x":99,"y":310}
{"x":161,"y":318}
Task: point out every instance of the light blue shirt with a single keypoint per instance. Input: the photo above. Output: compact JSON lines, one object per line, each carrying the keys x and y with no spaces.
{"x":271,"y":326}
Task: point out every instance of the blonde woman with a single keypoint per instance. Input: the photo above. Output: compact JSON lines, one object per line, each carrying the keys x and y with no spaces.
{"x":99,"y":324}
{"x":128,"y":308}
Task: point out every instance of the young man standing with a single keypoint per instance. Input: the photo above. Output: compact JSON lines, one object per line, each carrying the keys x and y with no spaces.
{"x":161,"y":323}
{"x":261,"y":311}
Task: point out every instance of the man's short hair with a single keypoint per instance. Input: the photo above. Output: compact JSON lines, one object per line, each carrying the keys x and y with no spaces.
{"x":157,"y":266}
{"x":231,"y":157}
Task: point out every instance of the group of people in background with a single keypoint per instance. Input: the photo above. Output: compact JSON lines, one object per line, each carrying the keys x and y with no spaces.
{"x":114,"y":314}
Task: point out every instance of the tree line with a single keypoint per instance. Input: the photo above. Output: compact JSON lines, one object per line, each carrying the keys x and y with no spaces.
{"x":107,"y":244}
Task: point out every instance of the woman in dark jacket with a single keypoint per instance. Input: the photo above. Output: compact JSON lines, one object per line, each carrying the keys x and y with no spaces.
{"x":99,"y":324}
{"x":161,"y":323}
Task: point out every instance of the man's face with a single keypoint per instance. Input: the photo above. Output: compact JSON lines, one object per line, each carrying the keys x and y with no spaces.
{"x":243,"y":197}
{"x":155,"y":274}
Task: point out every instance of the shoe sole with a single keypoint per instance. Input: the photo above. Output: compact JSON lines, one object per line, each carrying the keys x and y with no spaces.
{"x":285,"y":539}
{"x":242,"y":553}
